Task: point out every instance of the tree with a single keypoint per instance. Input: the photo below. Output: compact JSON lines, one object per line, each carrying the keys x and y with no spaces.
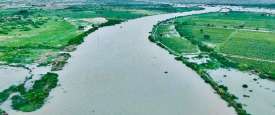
{"x":201,"y":30}
{"x":206,"y":36}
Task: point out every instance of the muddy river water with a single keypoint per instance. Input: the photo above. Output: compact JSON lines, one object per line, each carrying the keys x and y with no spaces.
{"x":118,"y":71}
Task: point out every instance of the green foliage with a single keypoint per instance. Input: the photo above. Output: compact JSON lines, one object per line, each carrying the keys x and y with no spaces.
{"x":33,"y":99}
{"x":30,"y":45}
{"x":4,"y":95}
{"x":26,"y":34}
{"x":249,"y":36}
{"x":164,"y":34}
{"x":20,"y":20}
{"x":60,"y":61}
{"x":80,"y":38}
{"x":2,"y":112}
{"x":220,"y":89}
{"x":118,"y":11}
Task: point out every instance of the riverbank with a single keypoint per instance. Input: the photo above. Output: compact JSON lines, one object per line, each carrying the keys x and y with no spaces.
{"x":157,"y":36}
{"x":197,"y":42}
{"x":51,"y":51}
{"x":166,"y":83}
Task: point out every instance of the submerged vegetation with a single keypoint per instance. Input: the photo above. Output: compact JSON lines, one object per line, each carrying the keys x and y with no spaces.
{"x":34,"y":98}
{"x":28,"y":100}
{"x":220,"y":89}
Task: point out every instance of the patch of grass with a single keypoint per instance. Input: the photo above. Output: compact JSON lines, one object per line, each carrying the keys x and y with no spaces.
{"x":266,"y":69}
{"x":251,"y":44}
{"x":160,"y":7}
{"x":249,"y":36}
{"x":27,"y":47}
{"x":119,"y":11}
{"x":166,"y":34}
{"x":216,"y":35}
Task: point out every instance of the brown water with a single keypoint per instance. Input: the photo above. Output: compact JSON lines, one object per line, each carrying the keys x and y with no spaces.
{"x":11,"y":76}
{"x":260,"y":94}
{"x":117,"y":71}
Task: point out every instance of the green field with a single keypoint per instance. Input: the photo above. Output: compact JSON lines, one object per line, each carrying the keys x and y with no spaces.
{"x":28,"y":46}
{"x":244,"y":38}
{"x":36,"y":35}
{"x":240,"y":40}
{"x":228,"y":40}
{"x":166,"y":34}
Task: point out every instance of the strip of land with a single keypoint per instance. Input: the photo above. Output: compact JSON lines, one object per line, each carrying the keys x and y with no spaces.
{"x":240,"y":40}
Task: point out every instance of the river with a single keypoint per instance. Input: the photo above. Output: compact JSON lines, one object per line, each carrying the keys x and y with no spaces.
{"x":118,"y":71}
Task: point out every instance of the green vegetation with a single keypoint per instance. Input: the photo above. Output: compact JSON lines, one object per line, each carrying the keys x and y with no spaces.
{"x":35,"y":35}
{"x":201,"y":70}
{"x":43,"y":37}
{"x":166,"y":36}
{"x":32,"y":99}
{"x":109,"y":12}
{"x":220,"y":89}
{"x":161,"y":8}
{"x":157,"y":36}
{"x":2,"y":112}
{"x":241,"y":40}
{"x":27,"y":47}
{"x":269,"y":6}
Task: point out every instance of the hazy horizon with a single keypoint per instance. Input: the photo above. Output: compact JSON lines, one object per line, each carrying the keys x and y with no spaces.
{"x":219,"y":1}
{"x":174,"y":1}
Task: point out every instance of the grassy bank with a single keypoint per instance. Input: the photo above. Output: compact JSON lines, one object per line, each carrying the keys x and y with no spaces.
{"x":166,"y":36}
{"x":220,"y":89}
{"x":244,"y":39}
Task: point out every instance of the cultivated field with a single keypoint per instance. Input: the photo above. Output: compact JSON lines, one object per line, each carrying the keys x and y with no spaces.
{"x":239,"y":40}
{"x":245,"y":38}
